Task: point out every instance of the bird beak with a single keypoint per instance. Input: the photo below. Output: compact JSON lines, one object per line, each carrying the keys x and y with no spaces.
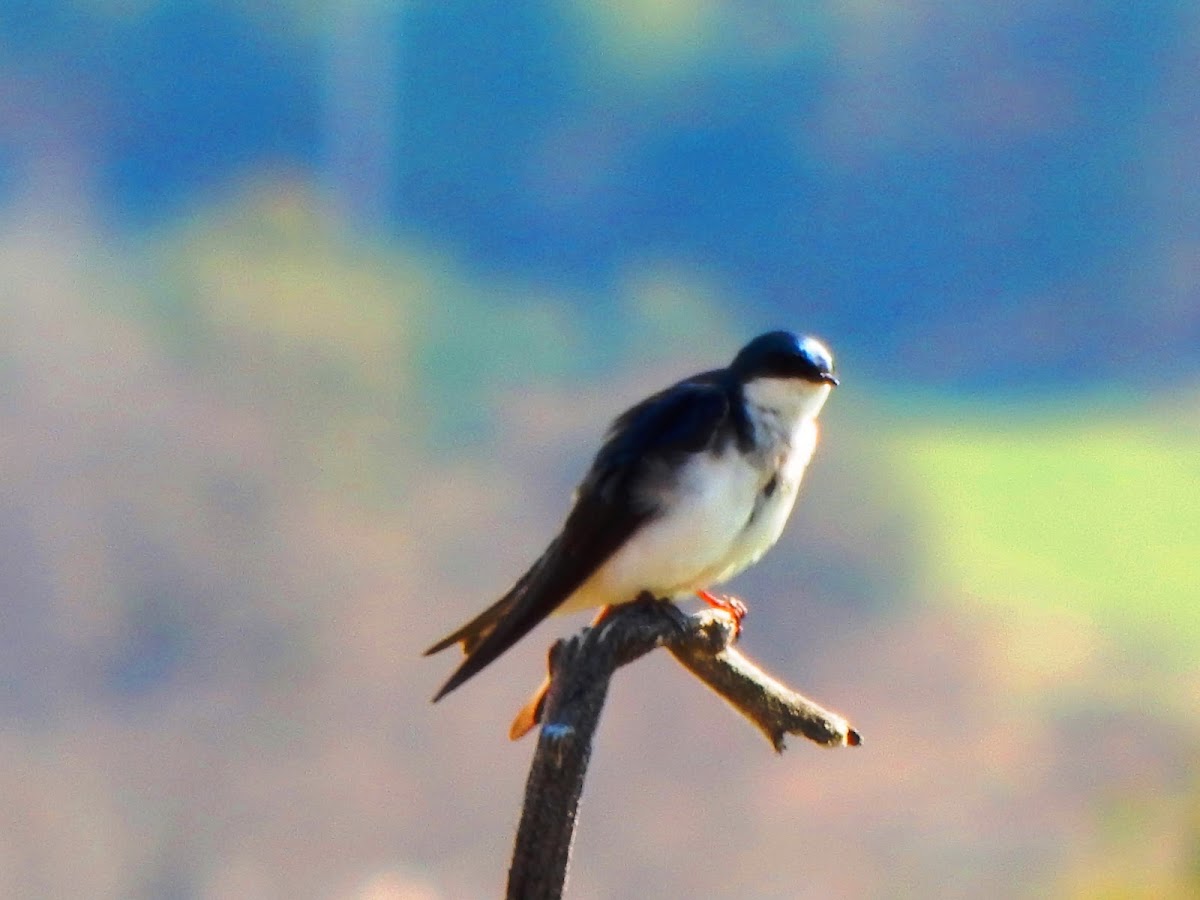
{"x":830,"y":379}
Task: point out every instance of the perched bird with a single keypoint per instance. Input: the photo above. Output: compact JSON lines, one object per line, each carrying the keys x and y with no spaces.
{"x":690,"y":487}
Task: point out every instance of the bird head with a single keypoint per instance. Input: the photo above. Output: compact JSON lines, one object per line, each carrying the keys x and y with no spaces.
{"x":785,"y":371}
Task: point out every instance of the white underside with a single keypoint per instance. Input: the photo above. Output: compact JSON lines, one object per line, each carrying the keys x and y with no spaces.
{"x":711,"y":530}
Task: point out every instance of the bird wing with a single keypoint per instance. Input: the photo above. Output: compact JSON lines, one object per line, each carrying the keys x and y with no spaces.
{"x":608,"y":510}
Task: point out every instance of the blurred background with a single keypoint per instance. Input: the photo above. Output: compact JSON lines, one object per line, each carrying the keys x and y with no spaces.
{"x":313,"y":313}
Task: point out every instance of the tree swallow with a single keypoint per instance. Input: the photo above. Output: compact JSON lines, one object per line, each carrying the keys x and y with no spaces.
{"x":690,"y":487}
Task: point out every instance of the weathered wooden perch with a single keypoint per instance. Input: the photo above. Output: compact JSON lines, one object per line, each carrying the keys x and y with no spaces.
{"x":581,"y":668}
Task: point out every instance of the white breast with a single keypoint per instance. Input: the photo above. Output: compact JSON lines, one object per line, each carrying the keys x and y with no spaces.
{"x":680,"y":552}
{"x":772,"y":512}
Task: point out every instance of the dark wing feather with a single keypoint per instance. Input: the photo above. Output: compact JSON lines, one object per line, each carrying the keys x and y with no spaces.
{"x":682,"y":419}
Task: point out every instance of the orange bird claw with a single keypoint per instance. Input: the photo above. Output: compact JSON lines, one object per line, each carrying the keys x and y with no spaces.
{"x":731,"y":605}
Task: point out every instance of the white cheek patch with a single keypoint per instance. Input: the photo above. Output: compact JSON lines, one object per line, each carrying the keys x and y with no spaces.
{"x":791,"y":398}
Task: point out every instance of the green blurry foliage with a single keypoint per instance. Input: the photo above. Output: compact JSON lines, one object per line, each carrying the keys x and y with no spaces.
{"x":1096,"y":514}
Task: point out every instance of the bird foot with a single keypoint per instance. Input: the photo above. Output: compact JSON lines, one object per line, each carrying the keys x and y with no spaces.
{"x":731,"y":605}
{"x":677,"y":616}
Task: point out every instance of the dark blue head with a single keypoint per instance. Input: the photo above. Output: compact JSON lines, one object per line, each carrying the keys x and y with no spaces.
{"x":781,"y":354}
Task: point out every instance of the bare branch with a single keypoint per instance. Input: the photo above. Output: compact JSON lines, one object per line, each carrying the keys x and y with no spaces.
{"x":581,"y":668}
{"x":777,"y":710}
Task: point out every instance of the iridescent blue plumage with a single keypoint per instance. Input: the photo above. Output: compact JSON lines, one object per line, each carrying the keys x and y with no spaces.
{"x":782,"y":354}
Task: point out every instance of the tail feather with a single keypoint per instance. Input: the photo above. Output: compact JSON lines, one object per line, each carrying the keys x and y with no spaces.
{"x":479,"y":628}
{"x":487,"y":642}
{"x":549,"y":582}
{"x":473,"y":633}
{"x":477,"y":631}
